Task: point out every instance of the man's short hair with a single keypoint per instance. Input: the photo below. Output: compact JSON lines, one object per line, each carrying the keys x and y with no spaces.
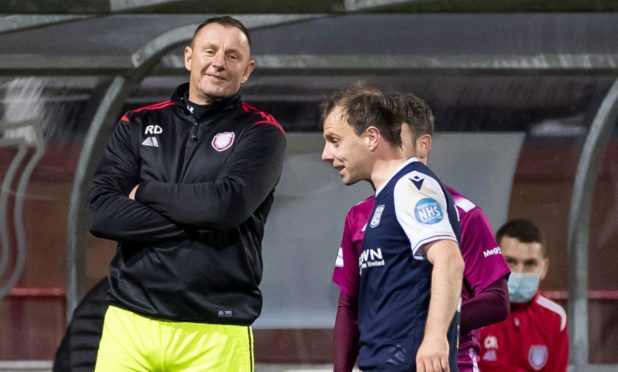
{"x":363,"y":107}
{"x":523,"y":230}
{"x":225,"y":21}
{"x":416,"y":112}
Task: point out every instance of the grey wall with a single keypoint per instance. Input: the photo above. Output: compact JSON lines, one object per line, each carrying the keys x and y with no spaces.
{"x":481,"y":166}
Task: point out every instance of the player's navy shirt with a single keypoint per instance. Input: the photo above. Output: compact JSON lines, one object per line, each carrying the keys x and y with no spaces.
{"x":482,"y":256}
{"x":411,"y":210}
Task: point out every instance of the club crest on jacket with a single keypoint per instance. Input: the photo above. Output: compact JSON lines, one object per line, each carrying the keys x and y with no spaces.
{"x":223,"y":141}
{"x":537,"y":356}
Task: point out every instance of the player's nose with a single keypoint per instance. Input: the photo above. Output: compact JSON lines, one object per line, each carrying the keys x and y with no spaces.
{"x":327,"y":154}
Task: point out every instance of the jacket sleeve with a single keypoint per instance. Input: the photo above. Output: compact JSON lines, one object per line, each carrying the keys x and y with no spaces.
{"x":477,"y":238}
{"x":346,"y":334}
{"x":113,"y":215}
{"x":559,"y":353}
{"x":487,"y":307}
{"x":249,"y":176}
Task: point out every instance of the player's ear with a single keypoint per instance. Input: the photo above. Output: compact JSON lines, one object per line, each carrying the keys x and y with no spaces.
{"x":372,"y":137}
{"x":423,"y":145}
{"x":543,"y":272}
{"x":248,"y":70}
{"x":188,"y":56}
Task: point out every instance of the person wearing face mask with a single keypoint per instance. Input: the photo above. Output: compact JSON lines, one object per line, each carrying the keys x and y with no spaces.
{"x":534,"y":336}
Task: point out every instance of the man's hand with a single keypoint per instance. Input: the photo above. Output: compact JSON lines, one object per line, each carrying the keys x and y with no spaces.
{"x":132,"y":193}
{"x":432,"y":355}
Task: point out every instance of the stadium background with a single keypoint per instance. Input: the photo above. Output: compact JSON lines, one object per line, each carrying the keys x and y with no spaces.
{"x":525,"y":100}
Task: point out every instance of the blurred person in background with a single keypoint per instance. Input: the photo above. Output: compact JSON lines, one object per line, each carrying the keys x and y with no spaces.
{"x":534,"y":336}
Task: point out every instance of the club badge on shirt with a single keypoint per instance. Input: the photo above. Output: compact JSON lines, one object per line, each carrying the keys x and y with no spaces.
{"x":537,"y":356}
{"x":223,"y":141}
{"x":491,"y":344}
{"x":377,"y":215}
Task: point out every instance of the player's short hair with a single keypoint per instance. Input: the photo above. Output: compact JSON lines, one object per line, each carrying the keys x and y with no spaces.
{"x":523,"y":230}
{"x":363,"y":107}
{"x":416,"y":113}
{"x":225,"y":21}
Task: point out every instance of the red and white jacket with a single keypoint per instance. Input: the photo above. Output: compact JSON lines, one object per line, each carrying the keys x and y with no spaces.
{"x":533,"y":338}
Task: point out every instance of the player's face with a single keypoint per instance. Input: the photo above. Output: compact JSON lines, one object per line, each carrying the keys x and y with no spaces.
{"x":344,"y":149}
{"x":219,"y":61}
{"x":524,"y":258}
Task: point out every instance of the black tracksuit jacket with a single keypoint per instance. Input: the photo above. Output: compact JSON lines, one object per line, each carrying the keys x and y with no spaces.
{"x":189,"y":245}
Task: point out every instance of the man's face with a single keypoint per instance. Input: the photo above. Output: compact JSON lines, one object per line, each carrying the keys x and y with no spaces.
{"x":344,"y":149}
{"x":524,"y":258}
{"x":219,"y":61}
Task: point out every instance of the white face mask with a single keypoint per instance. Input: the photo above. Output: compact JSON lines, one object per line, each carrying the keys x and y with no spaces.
{"x":522,"y":287}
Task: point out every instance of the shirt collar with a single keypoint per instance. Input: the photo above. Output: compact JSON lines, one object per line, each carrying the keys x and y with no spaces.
{"x":198,"y":111}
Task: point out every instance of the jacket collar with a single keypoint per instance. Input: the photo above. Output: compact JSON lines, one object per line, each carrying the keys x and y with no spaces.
{"x":520,"y":307}
{"x":181,"y":98}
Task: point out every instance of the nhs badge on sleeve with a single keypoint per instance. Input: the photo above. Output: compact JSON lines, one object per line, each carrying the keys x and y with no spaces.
{"x":428,"y":211}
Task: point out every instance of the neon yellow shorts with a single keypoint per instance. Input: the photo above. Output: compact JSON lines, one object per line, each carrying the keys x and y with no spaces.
{"x":132,"y":342}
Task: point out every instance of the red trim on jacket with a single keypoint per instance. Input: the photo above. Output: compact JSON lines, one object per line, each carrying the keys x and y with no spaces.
{"x":267,"y":118}
{"x":155,"y":106}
